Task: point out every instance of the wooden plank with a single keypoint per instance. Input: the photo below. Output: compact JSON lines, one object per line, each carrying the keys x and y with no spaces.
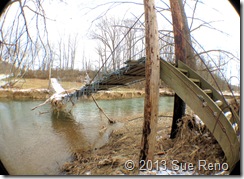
{"x":139,"y":70}
{"x":123,"y":79}
{"x":140,"y":73}
{"x":113,"y":79}
{"x":183,"y":71}
{"x":135,"y":68}
{"x":210,"y":113}
{"x":133,"y":79}
{"x":127,"y":80}
{"x":195,"y":80}
{"x":209,"y":92}
{"x":216,"y":95}
{"x":219,"y":103}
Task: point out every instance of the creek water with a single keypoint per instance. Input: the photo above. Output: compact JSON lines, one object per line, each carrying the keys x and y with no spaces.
{"x":39,"y":142}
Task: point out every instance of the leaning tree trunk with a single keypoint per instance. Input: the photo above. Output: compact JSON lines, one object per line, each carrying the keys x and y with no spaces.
{"x":183,"y":52}
{"x":152,"y":83}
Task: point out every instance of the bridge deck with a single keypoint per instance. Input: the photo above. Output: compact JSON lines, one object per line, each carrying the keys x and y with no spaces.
{"x":131,"y":73}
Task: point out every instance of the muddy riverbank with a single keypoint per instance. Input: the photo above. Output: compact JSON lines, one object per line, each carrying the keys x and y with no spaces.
{"x":43,"y":93}
{"x":120,"y":156}
{"x":40,"y":94}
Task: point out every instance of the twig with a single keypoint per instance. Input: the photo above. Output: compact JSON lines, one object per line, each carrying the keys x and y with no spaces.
{"x":141,"y":116}
{"x":164,"y":116}
{"x":41,"y":104}
{"x":110,"y":120}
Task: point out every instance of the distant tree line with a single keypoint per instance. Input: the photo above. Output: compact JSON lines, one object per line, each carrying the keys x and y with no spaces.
{"x":25,"y":44}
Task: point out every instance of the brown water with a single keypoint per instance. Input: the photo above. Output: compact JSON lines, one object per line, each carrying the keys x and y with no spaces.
{"x":32,"y":143}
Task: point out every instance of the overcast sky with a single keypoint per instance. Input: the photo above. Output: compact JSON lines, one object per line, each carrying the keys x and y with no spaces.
{"x":75,"y":15}
{"x":78,"y":17}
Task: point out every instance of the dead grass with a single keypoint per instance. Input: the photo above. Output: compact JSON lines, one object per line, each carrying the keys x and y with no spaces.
{"x":190,"y":146}
{"x":193,"y":144}
{"x":34,"y":83}
{"x":69,"y":85}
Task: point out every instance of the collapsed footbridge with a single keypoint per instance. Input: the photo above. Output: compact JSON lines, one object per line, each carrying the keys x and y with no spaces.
{"x":208,"y":103}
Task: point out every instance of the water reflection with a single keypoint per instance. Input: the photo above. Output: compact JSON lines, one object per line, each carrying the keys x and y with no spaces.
{"x":65,"y":125}
{"x":83,"y":135}
{"x":32,"y":144}
{"x":28,"y":145}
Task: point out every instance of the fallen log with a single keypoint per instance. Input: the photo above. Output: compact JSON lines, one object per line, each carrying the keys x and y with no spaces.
{"x":60,"y":99}
{"x":3,"y":82}
{"x":57,"y":99}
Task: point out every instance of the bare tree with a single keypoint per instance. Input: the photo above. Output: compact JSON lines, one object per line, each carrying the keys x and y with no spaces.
{"x":66,"y":51}
{"x":183,"y":52}
{"x":108,"y":34}
{"x":73,"y":47}
{"x":166,"y":45}
{"x":118,"y":40}
{"x":101,"y":51}
{"x":21,"y":37}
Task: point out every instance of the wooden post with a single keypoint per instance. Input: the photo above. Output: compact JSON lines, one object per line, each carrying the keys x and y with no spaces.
{"x":179,"y":112}
{"x":183,"y":44}
{"x":183,"y":52}
{"x":152,"y":83}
